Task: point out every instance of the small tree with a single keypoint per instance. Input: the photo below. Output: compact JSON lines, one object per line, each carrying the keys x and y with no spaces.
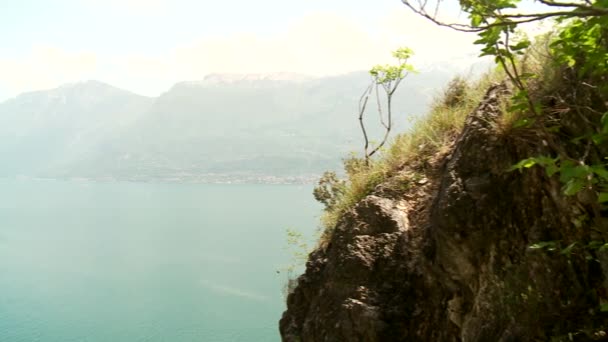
{"x":581,"y":44}
{"x":387,"y":77}
{"x":329,"y":189}
{"x":495,"y":23}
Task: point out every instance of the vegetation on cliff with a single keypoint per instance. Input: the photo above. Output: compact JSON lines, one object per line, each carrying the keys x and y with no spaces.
{"x":486,"y":221}
{"x":565,"y":68}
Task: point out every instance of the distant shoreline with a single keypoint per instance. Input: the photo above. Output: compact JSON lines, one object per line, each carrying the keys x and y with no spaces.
{"x":201,"y":179}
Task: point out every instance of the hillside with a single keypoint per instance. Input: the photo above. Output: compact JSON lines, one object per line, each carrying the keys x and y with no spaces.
{"x":43,"y":130}
{"x":227,"y":127}
{"x":486,"y":221}
{"x":440,"y":251}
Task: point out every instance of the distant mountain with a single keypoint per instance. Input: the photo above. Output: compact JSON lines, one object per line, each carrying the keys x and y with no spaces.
{"x":225,"y":127}
{"x":43,"y":130}
{"x":227,"y":78}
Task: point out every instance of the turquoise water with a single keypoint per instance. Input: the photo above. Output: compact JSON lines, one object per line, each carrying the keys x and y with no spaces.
{"x":129,"y":262}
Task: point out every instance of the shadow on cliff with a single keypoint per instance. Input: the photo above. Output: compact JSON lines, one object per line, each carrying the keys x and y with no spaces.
{"x":449,"y":258}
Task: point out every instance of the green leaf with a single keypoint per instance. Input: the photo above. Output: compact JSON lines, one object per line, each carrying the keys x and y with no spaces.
{"x":476,"y":20}
{"x":548,"y":245}
{"x":568,"y":250}
{"x":570,"y":171}
{"x":600,"y":170}
{"x":521,"y":45}
{"x":598,"y":139}
{"x":573,"y":186}
{"x":595,"y":244}
{"x":523,"y":122}
{"x":403,"y":53}
{"x":570,"y":61}
{"x":603,"y":197}
{"x":551,"y":169}
{"x":525,"y":163}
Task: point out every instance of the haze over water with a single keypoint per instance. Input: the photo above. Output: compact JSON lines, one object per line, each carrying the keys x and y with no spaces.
{"x":190,"y":91}
{"x":84,"y":261}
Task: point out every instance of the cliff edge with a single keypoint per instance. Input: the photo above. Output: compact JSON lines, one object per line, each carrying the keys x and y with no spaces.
{"x":448,"y":257}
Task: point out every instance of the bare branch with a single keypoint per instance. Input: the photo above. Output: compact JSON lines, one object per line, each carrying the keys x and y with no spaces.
{"x":566,"y":4}
{"x":389,"y":77}
{"x":379,"y":102}
{"x":388,"y":129}
{"x":580,"y":11}
{"x":362,"y":105}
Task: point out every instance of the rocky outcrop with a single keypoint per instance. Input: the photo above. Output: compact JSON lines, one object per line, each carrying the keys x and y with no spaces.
{"x":449,"y":259}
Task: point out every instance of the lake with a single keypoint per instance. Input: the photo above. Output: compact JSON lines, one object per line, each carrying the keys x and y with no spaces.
{"x":85,"y":261}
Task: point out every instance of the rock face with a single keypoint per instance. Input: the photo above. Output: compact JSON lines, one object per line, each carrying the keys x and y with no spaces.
{"x":449,"y":259}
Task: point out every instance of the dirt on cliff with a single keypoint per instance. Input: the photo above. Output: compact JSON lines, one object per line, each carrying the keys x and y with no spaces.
{"x":448,"y":258}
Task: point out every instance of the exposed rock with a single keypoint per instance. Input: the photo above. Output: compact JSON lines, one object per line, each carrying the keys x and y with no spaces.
{"x":455,"y":265}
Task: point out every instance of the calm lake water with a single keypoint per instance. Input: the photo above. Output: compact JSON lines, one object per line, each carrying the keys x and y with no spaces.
{"x":83,"y":261}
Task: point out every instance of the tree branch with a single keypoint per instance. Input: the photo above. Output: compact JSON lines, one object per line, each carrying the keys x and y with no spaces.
{"x":362,"y":105}
{"x":580,"y":11}
{"x":380,"y":108}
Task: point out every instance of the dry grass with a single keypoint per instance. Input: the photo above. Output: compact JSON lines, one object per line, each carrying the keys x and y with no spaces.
{"x":538,"y":62}
{"x":434,"y":133}
{"x":431,"y":136}
{"x":428,"y":136}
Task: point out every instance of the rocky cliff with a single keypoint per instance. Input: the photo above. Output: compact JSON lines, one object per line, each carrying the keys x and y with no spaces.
{"x":448,"y":257}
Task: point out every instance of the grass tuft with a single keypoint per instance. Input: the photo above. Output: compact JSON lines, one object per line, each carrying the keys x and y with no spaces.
{"x":428,"y":136}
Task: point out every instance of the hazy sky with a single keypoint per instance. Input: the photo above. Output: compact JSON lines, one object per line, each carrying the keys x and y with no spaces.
{"x":147,"y":45}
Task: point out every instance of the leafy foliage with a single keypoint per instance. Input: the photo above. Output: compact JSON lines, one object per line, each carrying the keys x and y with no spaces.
{"x":329,"y":189}
{"x":387,"y":74}
{"x":581,"y":43}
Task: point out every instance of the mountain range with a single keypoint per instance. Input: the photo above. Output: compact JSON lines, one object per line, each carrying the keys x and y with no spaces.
{"x":279,"y":127}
